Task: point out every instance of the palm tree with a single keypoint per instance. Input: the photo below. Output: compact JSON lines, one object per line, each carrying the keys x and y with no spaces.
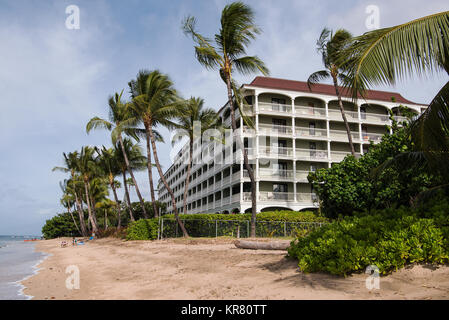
{"x":156,"y":103}
{"x":70,"y":161}
{"x":119,"y":121}
{"x":138,"y":89}
{"x":329,"y":45}
{"x":418,"y":47}
{"x":136,"y":161}
{"x":110,"y":162}
{"x":87,"y":168}
{"x":67,"y":200}
{"x":227,"y":55}
{"x":192,"y":114}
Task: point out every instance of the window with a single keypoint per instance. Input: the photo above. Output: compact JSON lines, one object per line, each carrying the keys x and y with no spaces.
{"x":280,"y":187}
{"x":312,"y":147}
{"x":312,"y":168}
{"x":280,"y":125}
{"x":363,"y":113}
{"x":311,"y":110}
{"x":278,"y":104}
{"x":312,"y":128}
{"x":280,"y":169}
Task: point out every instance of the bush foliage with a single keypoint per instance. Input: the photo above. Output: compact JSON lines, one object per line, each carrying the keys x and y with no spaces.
{"x":353,"y":185}
{"x":389,"y":239}
{"x":59,"y":226}
{"x":143,"y":229}
{"x":269,"y":224}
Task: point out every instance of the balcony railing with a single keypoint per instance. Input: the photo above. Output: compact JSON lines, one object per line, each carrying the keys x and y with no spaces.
{"x":311,"y":154}
{"x":276,"y":174}
{"x":374,"y":117}
{"x":274,"y":107}
{"x":376,"y":137}
{"x":275,"y":129}
{"x":342,"y":135}
{"x":276,"y":196}
{"x":306,"y":197}
{"x":350,"y":115}
{"x":276,"y":151}
{"x":340,"y":155}
{"x":310,"y":111}
{"x":302,"y":174}
{"x":310,"y":132}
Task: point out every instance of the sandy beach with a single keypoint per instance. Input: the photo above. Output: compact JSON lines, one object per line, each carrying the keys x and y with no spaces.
{"x":209,"y":269}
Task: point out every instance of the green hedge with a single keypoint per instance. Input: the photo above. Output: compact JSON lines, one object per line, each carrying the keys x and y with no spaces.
{"x":389,"y":239}
{"x":269,"y":224}
{"x":143,"y":229}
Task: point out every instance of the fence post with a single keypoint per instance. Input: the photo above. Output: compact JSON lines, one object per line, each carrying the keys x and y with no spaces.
{"x":176,"y":232}
{"x":285,"y":228}
{"x":247,"y":228}
{"x":162,"y":229}
{"x":216,"y":228}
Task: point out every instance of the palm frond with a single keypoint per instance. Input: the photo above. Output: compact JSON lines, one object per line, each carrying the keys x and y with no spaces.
{"x":317,"y":77}
{"x":250,"y":64}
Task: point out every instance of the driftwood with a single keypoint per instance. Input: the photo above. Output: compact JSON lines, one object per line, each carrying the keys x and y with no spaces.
{"x":258,"y":245}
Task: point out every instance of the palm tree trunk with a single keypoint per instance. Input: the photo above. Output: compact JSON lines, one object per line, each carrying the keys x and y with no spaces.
{"x":150,"y":177}
{"x":142,"y":203}
{"x":125,"y":184}
{"x":81,"y":216}
{"x":189,"y":167}
{"x":105,"y":219}
{"x":73,"y":218}
{"x":245,"y":160}
{"x":343,"y":115}
{"x":89,"y":209}
{"x":119,"y":210}
{"x":161,"y":174}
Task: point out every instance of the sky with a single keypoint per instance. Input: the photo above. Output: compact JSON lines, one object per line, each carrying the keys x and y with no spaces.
{"x":54,"y":79}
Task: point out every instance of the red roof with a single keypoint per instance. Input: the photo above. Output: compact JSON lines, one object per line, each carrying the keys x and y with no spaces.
{"x":301,"y":86}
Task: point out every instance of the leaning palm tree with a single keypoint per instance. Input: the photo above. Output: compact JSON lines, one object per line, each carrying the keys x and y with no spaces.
{"x":70,"y":161}
{"x":228,"y":54}
{"x":192,"y":114}
{"x":110,"y":162}
{"x":329,"y":45}
{"x":138,"y":88}
{"x":417,"y":47}
{"x":67,"y":200}
{"x":136,"y":162}
{"x":86,"y":166}
{"x":119,"y":122}
{"x":155,"y":103}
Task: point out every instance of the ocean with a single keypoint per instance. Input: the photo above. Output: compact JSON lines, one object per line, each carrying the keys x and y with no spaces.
{"x":18,"y":260}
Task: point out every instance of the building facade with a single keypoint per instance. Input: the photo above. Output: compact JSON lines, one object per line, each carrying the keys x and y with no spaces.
{"x":295,"y":130}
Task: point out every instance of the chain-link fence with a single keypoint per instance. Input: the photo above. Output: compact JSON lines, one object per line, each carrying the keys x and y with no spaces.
{"x":169,"y":228}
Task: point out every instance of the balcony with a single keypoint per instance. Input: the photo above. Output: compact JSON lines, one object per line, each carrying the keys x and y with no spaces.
{"x":276,"y":174}
{"x":351,"y":116}
{"x":342,"y":135}
{"x":340,"y":155}
{"x":312,"y":112}
{"x":277,"y":152}
{"x":272,"y":129}
{"x":311,"y":154}
{"x":301,"y":175}
{"x":375,"y":137}
{"x":306,"y":197}
{"x":374,"y":117}
{"x":275,"y":108}
{"x":310,"y":132}
{"x":276,"y":196}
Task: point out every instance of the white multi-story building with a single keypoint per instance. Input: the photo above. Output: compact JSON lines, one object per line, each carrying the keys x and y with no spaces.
{"x":295,"y":131}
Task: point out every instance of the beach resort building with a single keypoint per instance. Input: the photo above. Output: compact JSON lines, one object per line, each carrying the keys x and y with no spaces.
{"x":295,"y":130}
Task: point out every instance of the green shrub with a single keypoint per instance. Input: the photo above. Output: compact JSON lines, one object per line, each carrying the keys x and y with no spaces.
{"x":60,"y":225}
{"x":143,"y":229}
{"x":268,"y":224}
{"x":389,"y":239}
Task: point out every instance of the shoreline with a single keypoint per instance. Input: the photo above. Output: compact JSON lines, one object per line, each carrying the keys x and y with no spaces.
{"x":35,"y":270}
{"x":212,"y":269}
